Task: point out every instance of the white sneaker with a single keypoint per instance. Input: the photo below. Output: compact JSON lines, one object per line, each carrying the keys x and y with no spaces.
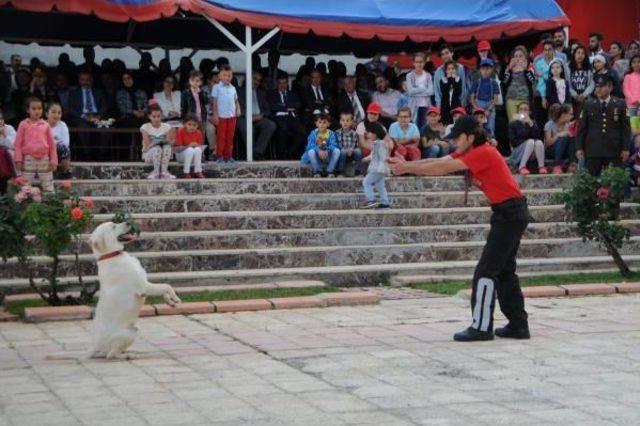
{"x":167,"y":176}
{"x":370,"y":205}
{"x":153,"y":175}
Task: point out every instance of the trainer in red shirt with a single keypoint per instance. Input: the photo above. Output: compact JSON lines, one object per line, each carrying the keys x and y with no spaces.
{"x":496,"y":270}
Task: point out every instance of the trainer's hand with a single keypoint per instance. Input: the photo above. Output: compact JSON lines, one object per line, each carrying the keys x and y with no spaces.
{"x":398,"y":165}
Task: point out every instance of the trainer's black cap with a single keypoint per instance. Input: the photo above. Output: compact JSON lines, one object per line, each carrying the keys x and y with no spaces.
{"x":602,"y":80}
{"x":466,"y":125}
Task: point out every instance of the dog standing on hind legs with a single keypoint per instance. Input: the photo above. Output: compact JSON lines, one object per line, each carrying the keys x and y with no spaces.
{"x":123,"y":288}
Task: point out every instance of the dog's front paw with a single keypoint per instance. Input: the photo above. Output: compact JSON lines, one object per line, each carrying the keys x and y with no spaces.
{"x":171,"y":298}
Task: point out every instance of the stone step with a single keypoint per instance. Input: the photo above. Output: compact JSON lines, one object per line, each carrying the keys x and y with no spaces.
{"x":404,"y":280}
{"x":154,"y":222}
{"x":266,"y":238}
{"x":289,"y":185}
{"x":272,"y":202}
{"x":262,"y":170}
{"x":348,"y":275}
{"x":295,"y":257}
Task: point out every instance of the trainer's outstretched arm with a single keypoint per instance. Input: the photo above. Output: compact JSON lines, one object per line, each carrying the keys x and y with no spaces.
{"x":420,"y":168}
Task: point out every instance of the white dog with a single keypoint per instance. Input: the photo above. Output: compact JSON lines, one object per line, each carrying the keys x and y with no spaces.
{"x":123,"y":288}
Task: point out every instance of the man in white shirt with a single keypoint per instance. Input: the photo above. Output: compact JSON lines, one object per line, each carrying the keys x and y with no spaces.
{"x":388,"y":99}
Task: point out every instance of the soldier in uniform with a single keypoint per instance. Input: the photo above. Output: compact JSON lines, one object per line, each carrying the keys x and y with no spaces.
{"x":604,"y":130}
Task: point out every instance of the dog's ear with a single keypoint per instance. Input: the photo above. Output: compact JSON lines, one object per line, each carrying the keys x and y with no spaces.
{"x":97,"y":242}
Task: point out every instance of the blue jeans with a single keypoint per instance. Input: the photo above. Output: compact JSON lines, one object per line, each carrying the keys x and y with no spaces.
{"x":491,"y":118}
{"x":562,"y":149}
{"x":317,"y":164}
{"x":356,"y":157}
{"x":377,"y":180}
{"x":434,"y":151}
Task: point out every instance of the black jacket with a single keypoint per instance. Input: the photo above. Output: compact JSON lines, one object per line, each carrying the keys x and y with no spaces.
{"x":448,"y":103}
{"x":262,"y":102}
{"x":603,"y":134}
{"x":76,"y":102}
{"x":529,"y":76}
{"x":344,"y":103}
{"x":188,"y":103}
{"x":552,"y":92}
{"x":520,"y":132}
{"x":309,"y":102}
{"x":276,"y":105}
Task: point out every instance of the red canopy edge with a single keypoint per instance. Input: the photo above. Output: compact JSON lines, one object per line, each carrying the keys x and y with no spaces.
{"x":122,"y":13}
{"x":105,"y":10}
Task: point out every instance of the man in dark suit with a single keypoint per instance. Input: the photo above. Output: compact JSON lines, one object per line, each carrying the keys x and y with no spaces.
{"x":285,"y":107}
{"x":272,"y":73}
{"x":86,"y":104}
{"x":263,"y":128}
{"x":604,"y":130}
{"x":353,"y":100}
{"x":315,"y":98}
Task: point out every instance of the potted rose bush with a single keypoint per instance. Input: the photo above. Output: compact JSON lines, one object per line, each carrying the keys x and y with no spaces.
{"x":594,"y":204}
{"x":51,"y":224}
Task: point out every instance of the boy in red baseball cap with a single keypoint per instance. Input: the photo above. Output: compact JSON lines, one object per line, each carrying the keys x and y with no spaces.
{"x":373,"y":116}
{"x":432,"y":143}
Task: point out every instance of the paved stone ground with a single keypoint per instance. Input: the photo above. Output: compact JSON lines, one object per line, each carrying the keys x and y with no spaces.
{"x":391,"y":364}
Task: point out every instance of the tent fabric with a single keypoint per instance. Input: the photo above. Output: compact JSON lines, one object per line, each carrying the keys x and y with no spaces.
{"x":387,"y":20}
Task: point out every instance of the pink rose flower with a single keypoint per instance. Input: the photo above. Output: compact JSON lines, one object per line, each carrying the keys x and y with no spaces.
{"x":18,"y":181}
{"x":65,"y":184}
{"x":88,"y":202}
{"x":603,"y":193}
{"x":77,"y":213}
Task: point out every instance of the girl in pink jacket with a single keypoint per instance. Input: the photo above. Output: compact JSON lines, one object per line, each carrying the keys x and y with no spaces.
{"x":631,"y":87}
{"x":35,"y":149}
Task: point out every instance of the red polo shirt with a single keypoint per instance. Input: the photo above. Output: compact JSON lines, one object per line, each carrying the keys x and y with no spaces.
{"x":491,"y":174}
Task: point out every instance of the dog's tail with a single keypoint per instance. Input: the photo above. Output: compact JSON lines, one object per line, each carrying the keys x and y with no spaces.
{"x":74,"y":356}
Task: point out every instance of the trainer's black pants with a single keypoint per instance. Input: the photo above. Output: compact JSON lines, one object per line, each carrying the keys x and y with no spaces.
{"x":496,"y":270}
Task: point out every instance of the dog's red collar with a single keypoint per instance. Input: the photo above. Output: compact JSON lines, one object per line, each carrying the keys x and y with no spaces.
{"x":110,"y":255}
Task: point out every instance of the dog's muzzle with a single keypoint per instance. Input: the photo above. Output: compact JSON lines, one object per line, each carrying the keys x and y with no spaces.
{"x":127,"y":237}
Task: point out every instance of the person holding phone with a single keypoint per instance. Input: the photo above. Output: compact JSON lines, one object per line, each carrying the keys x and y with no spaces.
{"x":518,"y":81}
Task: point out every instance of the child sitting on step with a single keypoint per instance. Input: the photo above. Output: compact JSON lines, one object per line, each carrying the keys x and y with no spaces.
{"x":378,"y":168}
{"x":322,"y":148}
{"x":157,"y":139}
{"x":189,"y":147}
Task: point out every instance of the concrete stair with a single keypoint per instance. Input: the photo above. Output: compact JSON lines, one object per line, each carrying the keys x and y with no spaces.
{"x":311,"y":237}
{"x":284,"y":202}
{"x":155,"y":222}
{"x":228,"y":186}
{"x":317,"y":256}
{"x":271,"y":222}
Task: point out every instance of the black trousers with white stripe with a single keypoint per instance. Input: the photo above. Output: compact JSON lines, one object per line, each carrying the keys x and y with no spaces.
{"x":496,"y":270}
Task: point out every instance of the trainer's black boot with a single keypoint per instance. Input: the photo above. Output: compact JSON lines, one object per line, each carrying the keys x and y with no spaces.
{"x":472,"y":335}
{"x":510,"y":332}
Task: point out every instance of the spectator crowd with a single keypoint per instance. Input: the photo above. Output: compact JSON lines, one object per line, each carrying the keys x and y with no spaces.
{"x":530,"y":105}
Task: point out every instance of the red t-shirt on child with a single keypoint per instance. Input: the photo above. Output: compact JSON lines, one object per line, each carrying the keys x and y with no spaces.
{"x":491,"y":174}
{"x":184,"y":138}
